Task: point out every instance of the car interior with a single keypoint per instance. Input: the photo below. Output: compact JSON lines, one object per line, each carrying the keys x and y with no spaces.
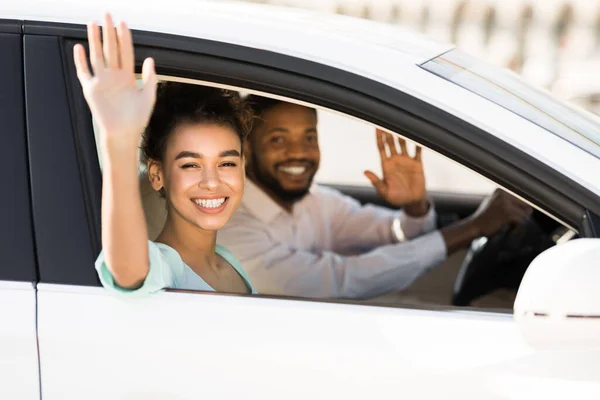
{"x":484,"y":276}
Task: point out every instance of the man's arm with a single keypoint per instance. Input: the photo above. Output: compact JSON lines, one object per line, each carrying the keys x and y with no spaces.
{"x":276,"y":268}
{"x":357,"y":227}
{"x":403,"y":186}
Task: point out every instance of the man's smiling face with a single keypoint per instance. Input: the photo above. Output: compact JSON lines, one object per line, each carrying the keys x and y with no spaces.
{"x":283,"y":151}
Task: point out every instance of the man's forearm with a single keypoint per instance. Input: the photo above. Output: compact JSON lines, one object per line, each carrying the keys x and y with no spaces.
{"x":460,"y":235}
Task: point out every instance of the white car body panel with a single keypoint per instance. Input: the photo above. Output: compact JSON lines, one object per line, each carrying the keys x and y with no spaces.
{"x":312,"y":36}
{"x":187,"y":346}
{"x":190,"y":346}
{"x":19,"y":374}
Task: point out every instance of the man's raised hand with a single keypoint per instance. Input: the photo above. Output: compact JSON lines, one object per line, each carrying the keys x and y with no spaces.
{"x":403,"y":182}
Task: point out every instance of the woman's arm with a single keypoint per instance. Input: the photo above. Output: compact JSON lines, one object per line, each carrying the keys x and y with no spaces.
{"x":124,"y":234}
{"x":121,"y":109}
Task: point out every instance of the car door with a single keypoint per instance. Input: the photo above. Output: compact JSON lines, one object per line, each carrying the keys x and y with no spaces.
{"x":19,"y":375}
{"x":188,"y":345}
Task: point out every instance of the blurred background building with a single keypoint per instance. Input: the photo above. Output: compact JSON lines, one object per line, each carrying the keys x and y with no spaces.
{"x":554,"y":44}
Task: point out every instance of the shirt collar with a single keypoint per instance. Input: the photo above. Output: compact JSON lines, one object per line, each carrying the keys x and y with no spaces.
{"x":257,"y":202}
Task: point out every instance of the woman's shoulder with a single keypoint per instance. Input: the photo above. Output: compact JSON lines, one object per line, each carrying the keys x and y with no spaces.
{"x":165,"y":266}
{"x":228,"y":256}
{"x":169,"y":254}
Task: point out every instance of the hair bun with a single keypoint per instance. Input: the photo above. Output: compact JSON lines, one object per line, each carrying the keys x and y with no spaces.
{"x":178,"y":103}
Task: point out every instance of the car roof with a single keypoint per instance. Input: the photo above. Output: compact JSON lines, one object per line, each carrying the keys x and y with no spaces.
{"x":377,"y":51}
{"x":241,"y":23}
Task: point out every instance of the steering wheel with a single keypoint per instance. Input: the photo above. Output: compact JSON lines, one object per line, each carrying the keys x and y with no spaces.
{"x":499,"y":261}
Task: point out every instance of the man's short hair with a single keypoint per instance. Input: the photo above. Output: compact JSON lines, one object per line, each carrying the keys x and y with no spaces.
{"x":260,"y":104}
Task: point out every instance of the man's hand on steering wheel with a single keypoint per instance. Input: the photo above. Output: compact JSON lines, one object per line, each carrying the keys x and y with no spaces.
{"x":501,"y":260}
{"x":403,"y":182}
{"x":499,"y":210}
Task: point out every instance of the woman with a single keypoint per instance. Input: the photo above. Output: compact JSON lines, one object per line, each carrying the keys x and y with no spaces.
{"x":192,"y":145}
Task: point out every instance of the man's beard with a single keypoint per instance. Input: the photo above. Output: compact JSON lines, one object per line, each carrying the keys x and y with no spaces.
{"x":269,"y":182}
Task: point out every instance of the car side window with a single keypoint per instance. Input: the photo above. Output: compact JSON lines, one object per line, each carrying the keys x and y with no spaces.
{"x":360,"y":153}
{"x":456,"y":192}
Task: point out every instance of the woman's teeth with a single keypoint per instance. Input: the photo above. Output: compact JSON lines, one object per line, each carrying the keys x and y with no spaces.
{"x":212,"y":203}
{"x":293,"y":170}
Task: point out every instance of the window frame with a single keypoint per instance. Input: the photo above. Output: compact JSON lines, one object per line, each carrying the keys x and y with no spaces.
{"x":64,"y":240}
{"x":17,"y":250}
{"x":328,"y":87}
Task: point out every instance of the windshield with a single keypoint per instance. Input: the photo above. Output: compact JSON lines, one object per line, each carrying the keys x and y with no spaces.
{"x":508,"y":90}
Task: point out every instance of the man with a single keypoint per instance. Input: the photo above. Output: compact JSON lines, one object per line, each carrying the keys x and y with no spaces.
{"x":297,"y":238}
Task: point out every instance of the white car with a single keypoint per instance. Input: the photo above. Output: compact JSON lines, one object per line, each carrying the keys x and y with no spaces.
{"x":63,"y":337}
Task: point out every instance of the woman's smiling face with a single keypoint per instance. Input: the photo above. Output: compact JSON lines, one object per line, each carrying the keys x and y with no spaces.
{"x":202,"y":174}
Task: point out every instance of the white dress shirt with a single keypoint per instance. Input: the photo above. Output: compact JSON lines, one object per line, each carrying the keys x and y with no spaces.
{"x":329,"y":245}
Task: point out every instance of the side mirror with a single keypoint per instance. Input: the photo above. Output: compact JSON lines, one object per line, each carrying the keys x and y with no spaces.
{"x":558,"y":302}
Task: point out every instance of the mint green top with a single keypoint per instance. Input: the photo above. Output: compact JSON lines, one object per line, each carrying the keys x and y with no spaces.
{"x":167,"y":270}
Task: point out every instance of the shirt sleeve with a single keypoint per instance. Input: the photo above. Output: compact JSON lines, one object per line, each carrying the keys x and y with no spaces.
{"x":160,"y":274}
{"x":277,"y":268}
{"x":412,"y":227}
{"x":361,"y":228}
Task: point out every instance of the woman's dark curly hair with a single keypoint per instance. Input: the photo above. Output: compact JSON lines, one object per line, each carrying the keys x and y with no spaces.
{"x":182,"y":103}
